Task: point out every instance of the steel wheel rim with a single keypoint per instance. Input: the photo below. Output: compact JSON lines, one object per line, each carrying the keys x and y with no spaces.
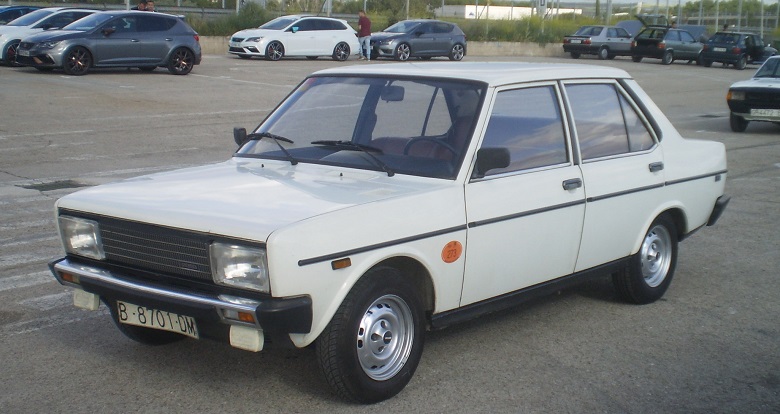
{"x":457,"y":52}
{"x":656,"y":255}
{"x":385,"y":337}
{"x":403,"y":52}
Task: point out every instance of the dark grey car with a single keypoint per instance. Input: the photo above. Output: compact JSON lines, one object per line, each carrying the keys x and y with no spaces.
{"x":667,"y":44}
{"x":115,"y":39}
{"x":419,"y":38}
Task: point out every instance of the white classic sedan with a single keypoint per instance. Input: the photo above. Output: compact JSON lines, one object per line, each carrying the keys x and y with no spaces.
{"x":444,"y":191}
{"x":297,"y":35}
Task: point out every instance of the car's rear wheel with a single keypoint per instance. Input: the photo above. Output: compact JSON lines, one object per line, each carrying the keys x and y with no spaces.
{"x":741,"y":63}
{"x":9,"y":54}
{"x":575,"y":55}
{"x":667,"y":58}
{"x":341,"y":52}
{"x":274,"y":51}
{"x":457,"y":52}
{"x":182,"y":61}
{"x":737,"y":123}
{"x":142,"y":335}
{"x":636,"y":58}
{"x":77,"y":61}
{"x":372,"y":346}
{"x":649,"y":272}
{"x":603,"y":53}
{"x":402,"y":52}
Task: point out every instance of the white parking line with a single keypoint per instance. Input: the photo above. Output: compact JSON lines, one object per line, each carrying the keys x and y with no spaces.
{"x":23,"y":281}
{"x":45,"y":134}
{"x":77,"y":315}
{"x":227,"y":78}
{"x":57,"y":300}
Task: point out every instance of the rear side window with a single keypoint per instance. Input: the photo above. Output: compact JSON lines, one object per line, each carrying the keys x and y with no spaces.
{"x":528,"y":123}
{"x":155,"y":24}
{"x":605,"y":122}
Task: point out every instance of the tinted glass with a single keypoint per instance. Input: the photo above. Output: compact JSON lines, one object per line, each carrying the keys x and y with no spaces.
{"x":155,"y":23}
{"x":30,"y":18}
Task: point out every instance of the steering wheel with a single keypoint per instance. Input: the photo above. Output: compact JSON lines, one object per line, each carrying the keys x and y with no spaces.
{"x":437,"y":141}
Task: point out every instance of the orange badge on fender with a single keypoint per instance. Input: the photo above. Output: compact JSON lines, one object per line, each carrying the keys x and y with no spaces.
{"x":451,"y":251}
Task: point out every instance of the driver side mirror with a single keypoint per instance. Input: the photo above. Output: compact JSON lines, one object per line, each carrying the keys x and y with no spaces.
{"x":295,"y":29}
{"x":418,"y":33}
{"x":239,"y":135}
{"x":490,"y":159}
{"x":108,"y":31}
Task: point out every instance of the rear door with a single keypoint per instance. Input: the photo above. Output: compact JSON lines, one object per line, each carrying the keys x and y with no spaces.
{"x":156,"y":37}
{"x":619,"y":40}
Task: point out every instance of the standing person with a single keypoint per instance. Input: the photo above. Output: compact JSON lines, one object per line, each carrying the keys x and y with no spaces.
{"x":150,"y":5}
{"x":141,"y":5}
{"x":364,"y":35}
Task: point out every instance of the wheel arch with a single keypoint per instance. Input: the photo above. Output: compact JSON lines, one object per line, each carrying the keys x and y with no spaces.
{"x":677,"y":215}
{"x":173,"y":50}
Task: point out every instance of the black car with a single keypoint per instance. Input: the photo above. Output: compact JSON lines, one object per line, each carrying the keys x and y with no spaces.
{"x":419,"y":38}
{"x":8,"y":13}
{"x":756,"y":99}
{"x":665,"y":43}
{"x":736,"y":48}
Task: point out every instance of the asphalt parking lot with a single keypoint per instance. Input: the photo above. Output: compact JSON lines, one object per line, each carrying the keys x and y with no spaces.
{"x":711,"y":345}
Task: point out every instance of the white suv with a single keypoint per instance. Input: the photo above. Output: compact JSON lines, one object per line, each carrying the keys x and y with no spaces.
{"x":377,"y":202}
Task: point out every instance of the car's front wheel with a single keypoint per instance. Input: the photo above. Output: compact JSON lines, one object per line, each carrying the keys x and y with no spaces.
{"x":603,"y":53}
{"x":77,"y":61}
{"x":370,"y":349}
{"x":649,"y":272}
{"x":457,"y":52}
{"x":402,"y":52}
{"x":341,"y":52}
{"x":9,"y":54}
{"x":667,"y":58}
{"x":274,"y":51}
{"x":182,"y":61}
{"x":737,"y":123}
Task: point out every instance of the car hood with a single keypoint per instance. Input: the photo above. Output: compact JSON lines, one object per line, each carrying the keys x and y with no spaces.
{"x":769,"y":83}
{"x":256,"y":33}
{"x":53,"y":36}
{"x":244,"y":198}
{"x":386,"y":35}
{"x":12,"y":29}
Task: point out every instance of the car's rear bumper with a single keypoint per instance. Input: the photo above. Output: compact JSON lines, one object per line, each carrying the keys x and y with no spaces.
{"x":717,"y":210}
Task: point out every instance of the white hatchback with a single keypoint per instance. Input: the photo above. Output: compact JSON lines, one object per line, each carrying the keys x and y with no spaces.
{"x":297,"y":35}
{"x":377,"y":202}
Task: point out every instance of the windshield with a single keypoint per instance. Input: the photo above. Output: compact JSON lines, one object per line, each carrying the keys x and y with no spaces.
{"x":30,"y":18}
{"x":278,"y":23}
{"x":402,"y":27}
{"x":88,"y":23}
{"x":769,"y":69}
{"x":396,"y":125}
{"x":724,"y":38}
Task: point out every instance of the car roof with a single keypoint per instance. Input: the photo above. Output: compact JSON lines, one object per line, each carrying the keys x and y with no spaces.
{"x":492,"y":73}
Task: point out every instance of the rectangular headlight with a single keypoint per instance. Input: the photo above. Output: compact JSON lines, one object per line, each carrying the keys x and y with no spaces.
{"x":81,"y":237}
{"x":240,"y":266}
{"x":736,"y":96}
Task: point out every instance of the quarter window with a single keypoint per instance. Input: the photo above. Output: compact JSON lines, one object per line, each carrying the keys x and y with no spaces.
{"x":606,"y":123}
{"x":528,"y":123}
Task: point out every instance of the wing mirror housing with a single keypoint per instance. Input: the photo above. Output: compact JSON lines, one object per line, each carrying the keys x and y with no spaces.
{"x":108,"y":31}
{"x":490,"y":159}
{"x":239,"y":135}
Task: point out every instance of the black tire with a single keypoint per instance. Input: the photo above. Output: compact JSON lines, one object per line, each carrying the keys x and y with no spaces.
{"x":667,"y":58}
{"x":77,"y":61}
{"x":142,"y":335}
{"x":9,"y":54}
{"x":457,"y":52}
{"x":636,"y":59}
{"x":603,"y":53}
{"x":611,"y":57}
{"x":181,"y":62}
{"x":274,"y":51}
{"x":312,"y":57}
{"x":372,"y":346}
{"x":649,"y":272}
{"x":741,"y":63}
{"x":402,"y":52}
{"x":341,"y":52}
{"x":706,"y":63}
{"x":737,"y":123}
{"x":575,"y":55}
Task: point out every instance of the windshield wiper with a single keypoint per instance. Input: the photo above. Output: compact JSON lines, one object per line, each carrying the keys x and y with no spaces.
{"x":276,"y":138}
{"x":366,"y":149}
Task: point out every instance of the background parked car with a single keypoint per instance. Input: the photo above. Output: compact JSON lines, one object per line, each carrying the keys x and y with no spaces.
{"x":297,"y":35}
{"x":665,"y":43}
{"x":9,"y":13}
{"x":115,"y":39}
{"x":737,"y":48}
{"x":34,"y":22}
{"x":757,"y":99}
{"x":419,"y":38}
{"x":606,"y":42}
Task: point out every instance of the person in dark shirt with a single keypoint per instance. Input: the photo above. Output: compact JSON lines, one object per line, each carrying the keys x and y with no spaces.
{"x":141,"y":5}
{"x":364,"y":35}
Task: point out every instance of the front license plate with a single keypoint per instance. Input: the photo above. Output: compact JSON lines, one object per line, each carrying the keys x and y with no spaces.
{"x":719,"y":49}
{"x":131,"y":314}
{"x":765,"y":112}
{"x":23,"y":52}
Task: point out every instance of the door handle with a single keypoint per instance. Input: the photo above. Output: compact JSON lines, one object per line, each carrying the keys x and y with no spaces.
{"x":571,"y":184}
{"x":656,"y":166}
{"x":134,"y":40}
{"x":168,"y":39}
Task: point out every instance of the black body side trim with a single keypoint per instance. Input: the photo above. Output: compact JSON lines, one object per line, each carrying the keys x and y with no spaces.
{"x":523,"y":214}
{"x":498,"y":303}
{"x":622,"y":193}
{"x":698,"y":177}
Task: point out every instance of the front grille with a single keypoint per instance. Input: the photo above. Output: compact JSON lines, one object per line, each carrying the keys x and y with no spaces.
{"x":237,"y":49}
{"x":762,"y":99}
{"x":155,"y":249}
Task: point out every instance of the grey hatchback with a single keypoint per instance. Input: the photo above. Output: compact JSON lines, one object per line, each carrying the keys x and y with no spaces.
{"x":419,"y":38}
{"x":115,"y":39}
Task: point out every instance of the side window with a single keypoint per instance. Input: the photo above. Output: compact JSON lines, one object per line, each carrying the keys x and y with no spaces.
{"x":686,"y":37}
{"x":673,"y":35}
{"x":154,"y":23}
{"x":605,"y":122}
{"x":611,"y":32}
{"x":123,"y":24}
{"x":528,"y":122}
{"x":305,"y":25}
{"x":622,"y":32}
